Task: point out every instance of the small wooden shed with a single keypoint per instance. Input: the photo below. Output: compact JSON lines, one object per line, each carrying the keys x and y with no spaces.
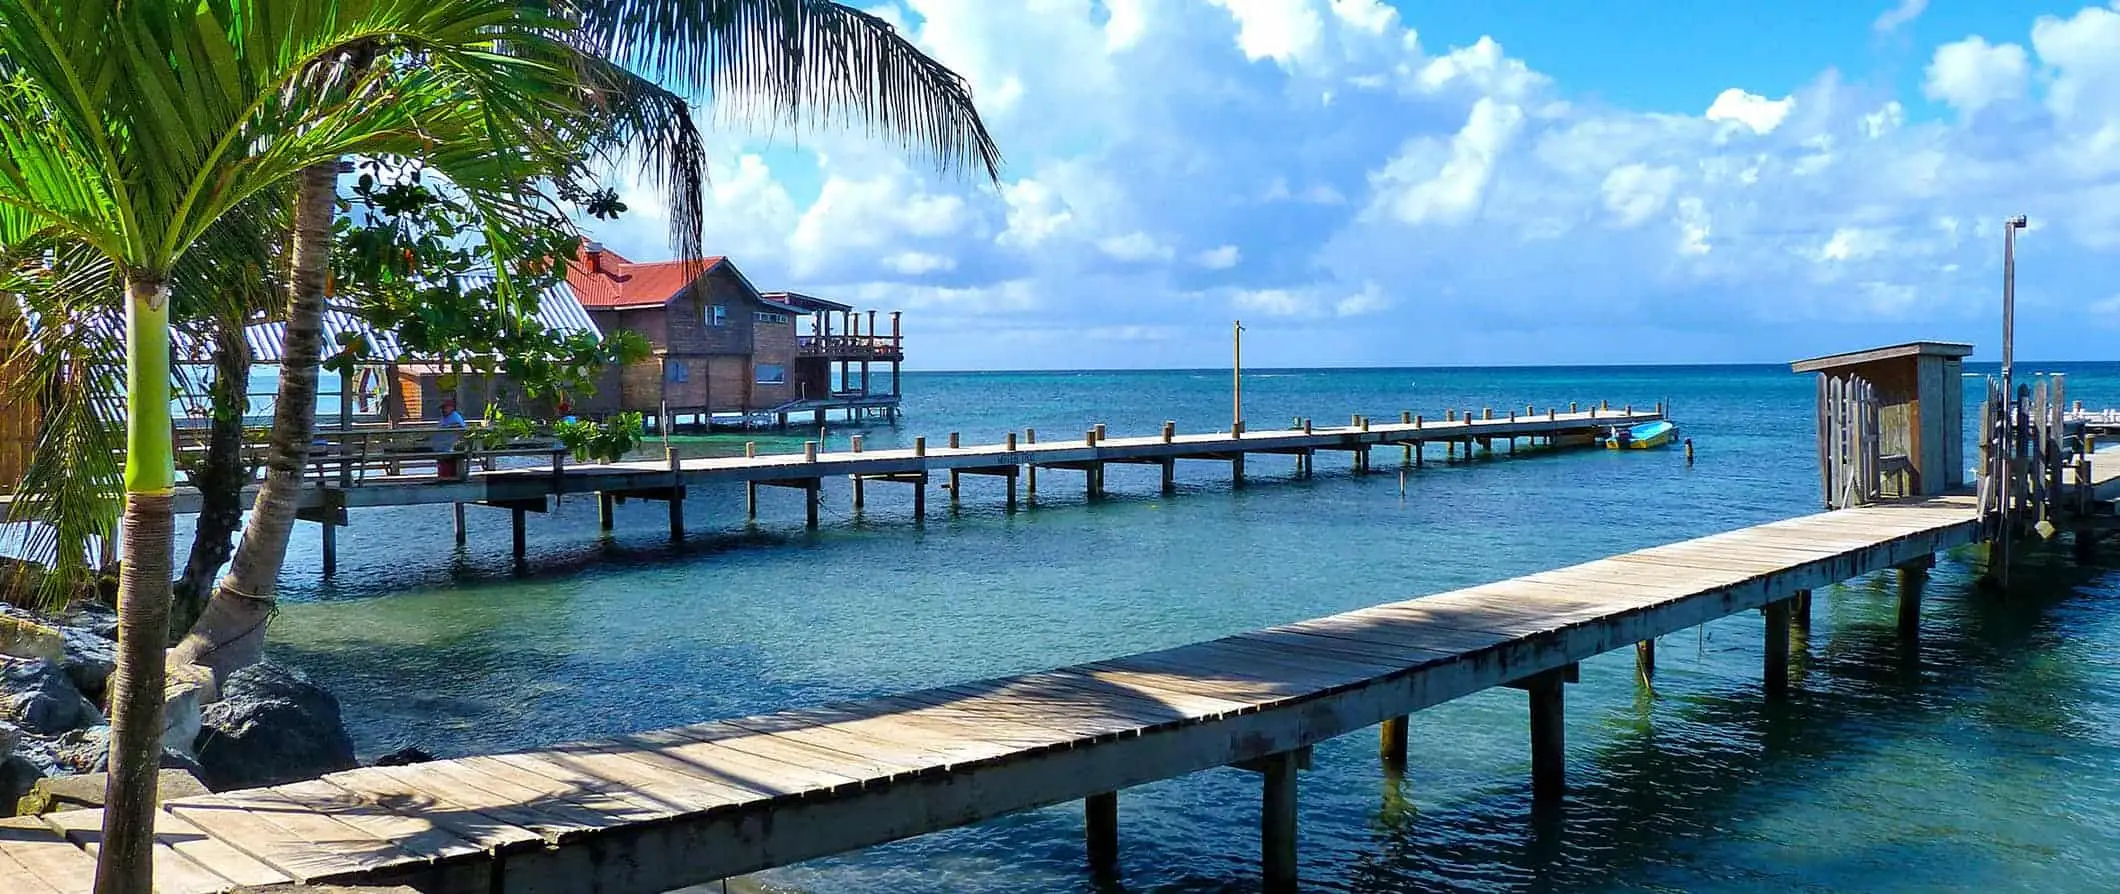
{"x":1916,"y":402}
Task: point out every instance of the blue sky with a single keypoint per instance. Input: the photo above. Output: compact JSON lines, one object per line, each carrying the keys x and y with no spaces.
{"x":1419,"y":182}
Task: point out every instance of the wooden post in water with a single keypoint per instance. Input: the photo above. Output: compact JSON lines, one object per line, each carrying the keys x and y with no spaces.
{"x":515,"y":522}
{"x":1170,"y":474}
{"x":1912,"y":576}
{"x":677,"y":496}
{"x":1391,"y":741}
{"x":920,"y":499}
{"x":330,"y":535}
{"x":459,"y":522}
{"x":1777,"y":648}
{"x":956,"y":483}
{"x":1030,"y":482}
{"x":605,"y":509}
{"x":1800,"y":610}
{"x":1645,"y":659}
{"x":1100,"y":832}
{"x":1549,"y":742}
{"x":1277,"y":822}
{"x":860,"y":491}
{"x":1011,"y":476}
{"x":812,"y":496}
{"x":750,"y":488}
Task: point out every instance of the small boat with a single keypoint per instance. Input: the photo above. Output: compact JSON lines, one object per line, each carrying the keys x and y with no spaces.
{"x":1643,"y":436}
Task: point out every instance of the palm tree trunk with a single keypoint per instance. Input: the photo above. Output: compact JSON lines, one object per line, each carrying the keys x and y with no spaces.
{"x":126,"y":861}
{"x":219,"y":477}
{"x":230,"y":633}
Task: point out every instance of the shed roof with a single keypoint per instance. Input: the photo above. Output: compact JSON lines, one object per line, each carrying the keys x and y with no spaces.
{"x":1947,"y":349}
{"x":806,"y":303}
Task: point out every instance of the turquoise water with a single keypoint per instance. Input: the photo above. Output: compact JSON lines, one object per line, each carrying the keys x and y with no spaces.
{"x":1985,"y":755}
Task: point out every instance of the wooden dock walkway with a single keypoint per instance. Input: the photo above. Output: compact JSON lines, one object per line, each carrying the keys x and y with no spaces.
{"x":659,"y":810}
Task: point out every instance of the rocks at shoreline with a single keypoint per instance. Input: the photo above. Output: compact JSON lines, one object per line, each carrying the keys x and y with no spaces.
{"x":268,"y":724}
{"x":271,"y":725}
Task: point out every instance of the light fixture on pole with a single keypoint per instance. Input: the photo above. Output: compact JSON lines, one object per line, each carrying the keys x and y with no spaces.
{"x":1236,"y":382}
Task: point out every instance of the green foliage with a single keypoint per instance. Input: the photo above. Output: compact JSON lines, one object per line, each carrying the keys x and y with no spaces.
{"x":602,"y":440}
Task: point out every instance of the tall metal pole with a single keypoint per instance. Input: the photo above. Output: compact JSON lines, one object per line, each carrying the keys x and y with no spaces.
{"x":1236,"y":382}
{"x":2007,"y":462}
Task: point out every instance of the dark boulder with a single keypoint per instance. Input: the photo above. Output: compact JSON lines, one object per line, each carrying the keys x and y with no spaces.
{"x":41,"y":698}
{"x":271,"y":726}
{"x":406,"y":756}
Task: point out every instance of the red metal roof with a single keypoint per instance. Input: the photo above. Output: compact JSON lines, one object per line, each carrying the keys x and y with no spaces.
{"x":617,"y":282}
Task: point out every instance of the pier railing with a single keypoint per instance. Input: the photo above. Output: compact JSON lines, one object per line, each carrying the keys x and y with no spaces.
{"x":852,"y":347}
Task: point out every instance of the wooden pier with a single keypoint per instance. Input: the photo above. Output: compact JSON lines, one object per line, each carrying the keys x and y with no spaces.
{"x":655,"y":811}
{"x":358,"y":478}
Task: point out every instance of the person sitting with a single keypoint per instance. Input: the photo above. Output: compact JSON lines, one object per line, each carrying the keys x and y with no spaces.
{"x":446,"y":442}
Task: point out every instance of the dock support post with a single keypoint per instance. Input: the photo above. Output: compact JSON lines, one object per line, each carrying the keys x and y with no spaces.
{"x":1800,"y":610}
{"x":1911,"y":576}
{"x":1417,"y":460}
{"x":1100,"y":833}
{"x":750,"y":500}
{"x":1645,"y":659}
{"x":331,"y":548}
{"x":860,"y":491}
{"x":812,"y":495}
{"x":1170,"y":474}
{"x":920,"y":499}
{"x":1549,"y":742}
{"x":1011,"y":488}
{"x":1277,"y":822}
{"x":1391,"y":741}
{"x":1777,"y":671}
{"x":1236,"y":471}
{"x":515,"y":523}
{"x":1030,"y":482}
{"x":459,"y":521}
{"x":605,"y":509}
{"x":956,"y":480}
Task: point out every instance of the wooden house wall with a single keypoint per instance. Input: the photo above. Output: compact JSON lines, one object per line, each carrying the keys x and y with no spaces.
{"x":773,"y":343}
{"x":19,"y":425}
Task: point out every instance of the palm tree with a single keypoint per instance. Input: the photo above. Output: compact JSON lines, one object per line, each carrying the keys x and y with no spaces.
{"x":781,"y":62}
{"x":135,"y":126}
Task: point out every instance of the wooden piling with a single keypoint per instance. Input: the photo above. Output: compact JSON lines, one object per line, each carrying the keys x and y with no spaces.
{"x":1910,"y":581}
{"x":1549,"y":742}
{"x":1100,"y":832}
{"x":331,"y":548}
{"x":1391,"y":741}
{"x":860,"y":491}
{"x":1170,"y":431}
{"x":855,"y":443}
{"x":1777,"y":648}
{"x":515,"y":523}
{"x":606,"y":508}
{"x":956,"y":484}
{"x":1800,"y":610}
{"x":1011,"y":488}
{"x":812,"y":496}
{"x":1170,"y":474}
{"x":750,"y":500}
{"x":1277,"y":822}
{"x":1645,"y":659}
{"x":920,"y":498}
{"x":1030,"y":474}
{"x":677,"y":491}
{"x":953,"y":440}
{"x":459,"y":522}
{"x":1236,"y":470}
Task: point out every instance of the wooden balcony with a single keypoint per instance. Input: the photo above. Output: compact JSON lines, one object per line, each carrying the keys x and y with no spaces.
{"x":850,"y":347}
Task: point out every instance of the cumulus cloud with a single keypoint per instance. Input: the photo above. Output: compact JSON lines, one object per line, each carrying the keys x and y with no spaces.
{"x":1971,"y":75}
{"x":1316,"y":167}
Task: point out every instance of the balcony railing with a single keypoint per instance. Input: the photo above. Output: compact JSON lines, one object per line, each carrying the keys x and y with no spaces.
{"x":852,"y":347}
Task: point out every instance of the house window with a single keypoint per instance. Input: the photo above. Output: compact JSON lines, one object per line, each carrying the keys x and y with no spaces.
{"x":772,"y":374}
{"x":766,"y":316}
{"x":718,"y":315}
{"x":675,"y":371}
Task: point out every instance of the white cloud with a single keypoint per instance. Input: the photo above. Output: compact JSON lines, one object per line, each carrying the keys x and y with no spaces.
{"x":1896,"y":17}
{"x":1971,"y":75}
{"x":1636,"y":192}
{"x":1135,"y":246}
{"x":1757,"y":112}
{"x":1311,"y":164}
{"x":1423,"y":185}
{"x":1218,"y":258}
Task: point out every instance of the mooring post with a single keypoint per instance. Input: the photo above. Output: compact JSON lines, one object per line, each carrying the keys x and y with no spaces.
{"x":1277,"y":822}
{"x":1911,"y":577}
{"x":1100,"y":832}
{"x":1391,"y":741}
{"x":459,"y":520}
{"x":1777,"y":648}
{"x":1030,"y":475}
{"x":953,"y":440}
{"x":1170,"y":474}
{"x":331,"y":548}
{"x":515,"y":522}
{"x":920,"y":498}
{"x":1170,"y":431}
{"x":1645,"y":659}
{"x":1236,"y":470}
{"x":1549,"y":742}
{"x":812,"y":495}
{"x":860,"y":491}
{"x":956,"y":482}
{"x":1011,"y":476}
{"x":677,"y":492}
{"x":605,"y":508}
{"x":750,"y":500}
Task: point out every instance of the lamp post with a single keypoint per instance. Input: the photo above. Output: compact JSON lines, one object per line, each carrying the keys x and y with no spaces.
{"x":1236,"y":382}
{"x":2006,"y":470}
